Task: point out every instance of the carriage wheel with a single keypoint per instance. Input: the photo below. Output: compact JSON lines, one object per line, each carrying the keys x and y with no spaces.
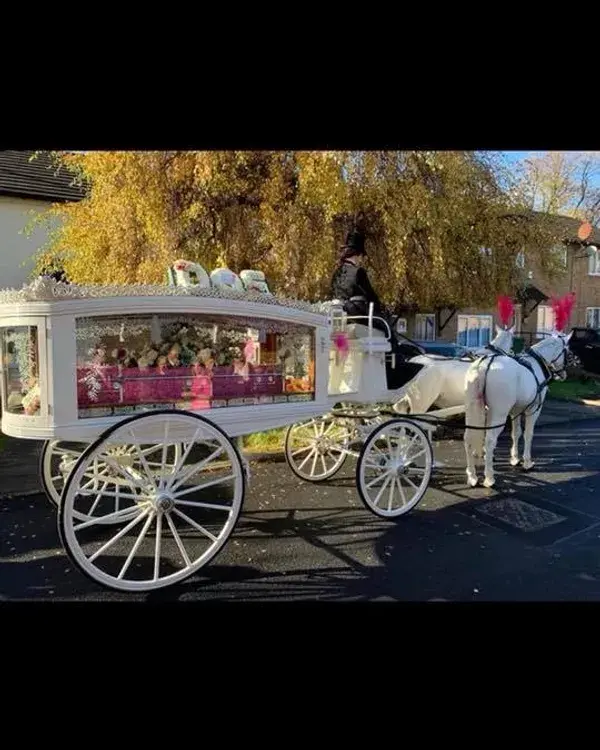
{"x":56,"y":461}
{"x":183,"y":513}
{"x":58,"y":458}
{"x":315,"y":450}
{"x":394,"y":468}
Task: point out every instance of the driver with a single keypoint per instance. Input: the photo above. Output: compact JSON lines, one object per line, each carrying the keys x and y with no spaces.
{"x":350,"y":284}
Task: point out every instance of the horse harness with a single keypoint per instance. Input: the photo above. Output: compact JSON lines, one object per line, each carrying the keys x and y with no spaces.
{"x":549,"y":374}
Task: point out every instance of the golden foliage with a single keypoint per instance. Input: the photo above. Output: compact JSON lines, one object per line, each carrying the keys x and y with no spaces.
{"x":426,"y":214}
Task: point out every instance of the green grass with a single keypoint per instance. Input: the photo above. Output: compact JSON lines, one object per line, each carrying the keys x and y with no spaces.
{"x":575,"y":388}
{"x":265,"y":442}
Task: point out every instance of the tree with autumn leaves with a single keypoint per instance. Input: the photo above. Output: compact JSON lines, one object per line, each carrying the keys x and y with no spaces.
{"x":441,"y":229}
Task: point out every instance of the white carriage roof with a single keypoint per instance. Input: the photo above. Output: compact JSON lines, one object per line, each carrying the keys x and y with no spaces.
{"x":45,"y":289}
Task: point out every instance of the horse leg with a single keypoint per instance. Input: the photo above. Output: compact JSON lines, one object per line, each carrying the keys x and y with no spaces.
{"x":471,"y":452}
{"x":516,"y":436}
{"x":530,"y":420}
{"x":491,"y":438}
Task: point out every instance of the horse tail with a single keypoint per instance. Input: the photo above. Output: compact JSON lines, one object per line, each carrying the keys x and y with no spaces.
{"x":475,"y":407}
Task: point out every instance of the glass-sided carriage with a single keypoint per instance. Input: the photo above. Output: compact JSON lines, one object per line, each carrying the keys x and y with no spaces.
{"x":138,"y":393}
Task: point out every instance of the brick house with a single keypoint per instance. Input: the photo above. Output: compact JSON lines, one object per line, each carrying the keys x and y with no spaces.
{"x":533,"y":313}
{"x":27,"y":186}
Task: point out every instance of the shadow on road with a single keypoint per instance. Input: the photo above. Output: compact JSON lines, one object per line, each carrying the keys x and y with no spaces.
{"x":310,"y":545}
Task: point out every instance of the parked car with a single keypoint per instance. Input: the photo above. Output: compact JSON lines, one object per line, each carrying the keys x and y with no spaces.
{"x":585,"y":345}
{"x":444,"y":349}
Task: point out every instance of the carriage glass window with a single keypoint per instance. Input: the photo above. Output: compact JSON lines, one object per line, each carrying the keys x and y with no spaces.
{"x":20,"y":370}
{"x":193,"y":362}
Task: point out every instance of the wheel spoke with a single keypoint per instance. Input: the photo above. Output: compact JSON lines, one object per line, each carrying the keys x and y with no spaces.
{"x":323,"y":464}
{"x":369,"y":465}
{"x":194,"y":469}
{"x":422,"y":452}
{"x":117,"y":536}
{"x":199,"y":487}
{"x":314,"y":450}
{"x":117,"y":516}
{"x":67,"y":452}
{"x":314,"y":463}
{"x":178,"y":541}
{"x":412,"y":484}
{"x":117,"y":494}
{"x":193,"y":523}
{"x":186,"y":452}
{"x":402,"y":495}
{"x":157,"y":546}
{"x":377,"y":479}
{"x":163,"y":458}
{"x":127,"y":475}
{"x":142,"y":458}
{"x":210,"y":506}
{"x":301,"y":450}
{"x":135,"y":547}
{"x":401,"y":440}
{"x":97,"y":500}
{"x":382,"y":490}
{"x":391,"y":495}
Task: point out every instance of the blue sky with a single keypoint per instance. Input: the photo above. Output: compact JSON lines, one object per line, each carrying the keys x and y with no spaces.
{"x":514,"y":156}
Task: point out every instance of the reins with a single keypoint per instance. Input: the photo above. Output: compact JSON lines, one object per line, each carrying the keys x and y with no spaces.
{"x":546,"y":371}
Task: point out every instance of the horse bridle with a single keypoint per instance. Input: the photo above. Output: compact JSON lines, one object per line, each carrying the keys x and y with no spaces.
{"x":551,"y":372}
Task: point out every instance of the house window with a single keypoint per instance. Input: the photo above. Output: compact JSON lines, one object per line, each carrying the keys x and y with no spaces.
{"x":560,"y":252}
{"x":520,"y":259}
{"x":545,"y":321}
{"x":593,"y":317}
{"x":474,"y":330}
{"x":594,"y":264}
{"x":425,"y":327}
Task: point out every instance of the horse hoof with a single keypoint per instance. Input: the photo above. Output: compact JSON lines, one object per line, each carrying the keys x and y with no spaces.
{"x":472,"y":481}
{"x":489,"y":482}
{"x":527,"y":465}
{"x":515,"y":461}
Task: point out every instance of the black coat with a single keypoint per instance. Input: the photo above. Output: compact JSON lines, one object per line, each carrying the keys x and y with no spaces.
{"x":350,"y":280}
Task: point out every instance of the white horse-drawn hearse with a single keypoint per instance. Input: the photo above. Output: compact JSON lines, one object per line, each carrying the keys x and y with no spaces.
{"x":139,"y":392}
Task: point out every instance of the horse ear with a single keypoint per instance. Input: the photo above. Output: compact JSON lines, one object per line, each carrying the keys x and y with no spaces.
{"x":511,"y":330}
{"x":498,"y":330}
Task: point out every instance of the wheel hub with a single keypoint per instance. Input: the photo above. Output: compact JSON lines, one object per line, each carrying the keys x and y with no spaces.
{"x":164,"y":502}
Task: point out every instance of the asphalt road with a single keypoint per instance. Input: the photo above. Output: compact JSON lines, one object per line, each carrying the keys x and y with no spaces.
{"x":533,"y":537}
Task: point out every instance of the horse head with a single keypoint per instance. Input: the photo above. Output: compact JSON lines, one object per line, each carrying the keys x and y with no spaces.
{"x":503,"y":339}
{"x":554,"y":350}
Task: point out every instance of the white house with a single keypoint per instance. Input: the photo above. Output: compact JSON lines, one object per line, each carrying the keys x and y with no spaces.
{"x":27,"y":186}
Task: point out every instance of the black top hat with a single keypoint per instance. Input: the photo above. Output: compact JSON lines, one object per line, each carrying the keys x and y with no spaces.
{"x":355,"y":242}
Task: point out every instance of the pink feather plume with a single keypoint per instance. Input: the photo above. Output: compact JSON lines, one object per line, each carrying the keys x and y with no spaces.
{"x":505,"y":309}
{"x":562,"y":308}
{"x":341,"y":343}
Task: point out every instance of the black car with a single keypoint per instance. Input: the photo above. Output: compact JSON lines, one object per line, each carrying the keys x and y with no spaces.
{"x":444,"y":349}
{"x":585,"y":345}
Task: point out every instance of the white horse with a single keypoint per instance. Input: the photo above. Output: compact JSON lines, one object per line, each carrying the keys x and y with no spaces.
{"x":442,"y":381}
{"x":506,"y":386}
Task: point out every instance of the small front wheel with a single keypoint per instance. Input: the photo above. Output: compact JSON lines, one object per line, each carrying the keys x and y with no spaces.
{"x":315,"y":450}
{"x":394,"y":468}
